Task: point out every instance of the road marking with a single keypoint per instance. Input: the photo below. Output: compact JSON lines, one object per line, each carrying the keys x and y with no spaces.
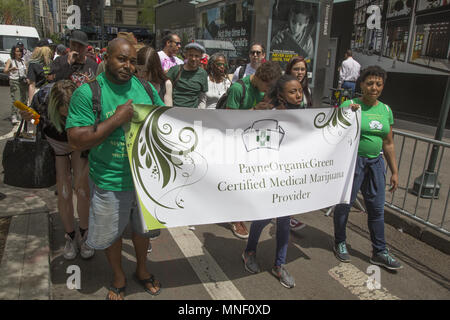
{"x":10,"y":134}
{"x":356,"y":281}
{"x":210,"y":274}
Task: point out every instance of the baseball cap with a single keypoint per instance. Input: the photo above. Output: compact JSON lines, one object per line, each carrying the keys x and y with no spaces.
{"x":196,"y":46}
{"x":42,"y":43}
{"x":20,"y":43}
{"x":60,"y":48}
{"x":80,"y":37}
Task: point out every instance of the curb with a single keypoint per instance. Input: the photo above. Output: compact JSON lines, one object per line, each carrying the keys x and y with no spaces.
{"x":25,"y":267}
{"x":19,"y":201}
{"x":419,"y":231}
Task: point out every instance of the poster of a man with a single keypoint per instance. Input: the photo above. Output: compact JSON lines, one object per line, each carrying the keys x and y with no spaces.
{"x":293,"y":30}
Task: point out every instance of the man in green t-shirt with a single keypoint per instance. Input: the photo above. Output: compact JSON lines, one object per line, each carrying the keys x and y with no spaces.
{"x":112,"y":190}
{"x":256,"y":85}
{"x":190,"y":82}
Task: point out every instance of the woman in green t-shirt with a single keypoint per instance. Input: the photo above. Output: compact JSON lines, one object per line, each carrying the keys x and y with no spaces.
{"x":376,"y":138}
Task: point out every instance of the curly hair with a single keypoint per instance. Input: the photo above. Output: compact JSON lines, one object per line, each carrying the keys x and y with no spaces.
{"x":212,"y":60}
{"x":43,"y":54}
{"x":268,"y":71}
{"x":13,"y":51}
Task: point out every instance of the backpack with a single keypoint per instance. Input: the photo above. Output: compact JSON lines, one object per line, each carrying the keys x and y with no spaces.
{"x":97,"y":94}
{"x":242,"y":71}
{"x":222,"y":102}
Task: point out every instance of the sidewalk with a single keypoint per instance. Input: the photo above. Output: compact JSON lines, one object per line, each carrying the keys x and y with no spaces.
{"x":25,"y":266}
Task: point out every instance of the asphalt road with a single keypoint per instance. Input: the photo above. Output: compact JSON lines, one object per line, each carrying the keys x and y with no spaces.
{"x":205,"y":263}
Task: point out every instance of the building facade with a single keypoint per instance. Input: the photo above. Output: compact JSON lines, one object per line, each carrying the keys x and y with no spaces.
{"x":304,"y":24}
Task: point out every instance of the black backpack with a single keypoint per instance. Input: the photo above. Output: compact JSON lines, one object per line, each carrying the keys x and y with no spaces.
{"x":97,"y":94}
{"x":222,"y":102}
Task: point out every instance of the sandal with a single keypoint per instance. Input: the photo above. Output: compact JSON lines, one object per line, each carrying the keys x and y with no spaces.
{"x":150,"y":280}
{"x":116,"y":291}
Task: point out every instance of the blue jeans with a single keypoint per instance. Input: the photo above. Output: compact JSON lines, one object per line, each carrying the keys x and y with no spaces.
{"x":282,"y":237}
{"x":349,"y":85}
{"x":370,"y":178}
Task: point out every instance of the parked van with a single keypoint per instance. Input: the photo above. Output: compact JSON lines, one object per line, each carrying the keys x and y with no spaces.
{"x":9,"y":36}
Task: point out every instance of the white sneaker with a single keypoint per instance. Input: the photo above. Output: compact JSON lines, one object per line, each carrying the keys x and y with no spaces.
{"x":86,"y":252}
{"x":14,"y":119}
{"x":296,"y":225}
{"x":70,"y":249}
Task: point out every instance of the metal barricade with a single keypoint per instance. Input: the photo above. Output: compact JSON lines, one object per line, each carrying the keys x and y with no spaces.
{"x":413,"y":154}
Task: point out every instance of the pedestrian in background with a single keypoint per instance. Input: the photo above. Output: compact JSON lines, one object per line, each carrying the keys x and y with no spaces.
{"x":52,"y":103}
{"x":218,"y":82}
{"x":168,"y":55}
{"x":376,"y":136}
{"x":256,"y":54}
{"x":349,"y":73}
{"x":38,"y":73}
{"x":190,"y":81}
{"x":75,"y":66}
{"x":61,"y":50}
{"x":149,"y":68}
{"x":16,"y":70}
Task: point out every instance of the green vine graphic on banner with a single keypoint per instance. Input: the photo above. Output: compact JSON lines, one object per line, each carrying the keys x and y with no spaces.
{"x":161,"y":163}
{"x":337,"y":125}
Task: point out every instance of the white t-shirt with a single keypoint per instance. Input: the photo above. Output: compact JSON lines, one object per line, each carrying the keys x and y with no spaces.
{"x":248,"y":71}
{"x":168,"y":62}
{"x":20,"y":72}
{"x":215,"y":91}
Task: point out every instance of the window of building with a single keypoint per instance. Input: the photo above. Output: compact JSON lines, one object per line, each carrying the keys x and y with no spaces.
{"x":119,"y":16}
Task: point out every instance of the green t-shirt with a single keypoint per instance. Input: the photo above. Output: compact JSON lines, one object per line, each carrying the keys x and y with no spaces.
{"x":252,"y":95}
{"x":109,"y":167}
{"x":376,"y":122}
{"x":188,"y":87}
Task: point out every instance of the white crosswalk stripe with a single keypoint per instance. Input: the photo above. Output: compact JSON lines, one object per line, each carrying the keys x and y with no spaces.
{"x":210,"y":274}
{"x":357,"y":282}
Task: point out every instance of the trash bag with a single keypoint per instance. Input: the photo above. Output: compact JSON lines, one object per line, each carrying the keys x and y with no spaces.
{"x":29,"y":163}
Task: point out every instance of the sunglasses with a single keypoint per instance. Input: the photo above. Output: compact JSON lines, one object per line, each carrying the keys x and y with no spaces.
{"x":219,"y":64}
{"x":255,"y":52}
{"x":177,"y":43}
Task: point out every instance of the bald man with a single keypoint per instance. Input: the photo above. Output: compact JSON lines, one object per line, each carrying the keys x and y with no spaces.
{"x":111,"y":183}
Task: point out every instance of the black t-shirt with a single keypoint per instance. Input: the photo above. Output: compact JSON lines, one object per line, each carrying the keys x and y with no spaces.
{"x":37,"y":73}
{"x":79,"y":73}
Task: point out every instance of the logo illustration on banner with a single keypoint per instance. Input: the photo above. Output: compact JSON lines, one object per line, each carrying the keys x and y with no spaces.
{"x":338,"y":125}
{"x":263,"y":134}
{"x":164,"y":160}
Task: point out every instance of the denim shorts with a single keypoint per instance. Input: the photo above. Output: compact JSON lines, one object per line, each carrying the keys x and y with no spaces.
{"x":109,"y":214}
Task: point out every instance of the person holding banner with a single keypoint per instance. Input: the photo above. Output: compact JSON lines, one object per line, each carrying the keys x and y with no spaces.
{"x":246,"y":94}
{"x":287,"y":93}
{"x":376,"y":137}
{"x":113,"y":197}
{"x":298,"y":67}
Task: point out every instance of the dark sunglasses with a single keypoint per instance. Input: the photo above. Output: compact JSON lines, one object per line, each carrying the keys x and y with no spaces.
{"x":177,"y":43}
{"x":255,"y":52}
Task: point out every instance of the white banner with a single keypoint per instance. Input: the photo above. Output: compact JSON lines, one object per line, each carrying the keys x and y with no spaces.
{"x":194,"y":166}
